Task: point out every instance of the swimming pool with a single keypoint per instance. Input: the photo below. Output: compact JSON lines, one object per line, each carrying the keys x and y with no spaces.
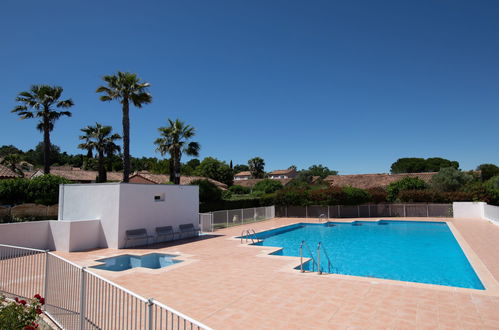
{"x":127,"y":261}
{"x":424,"y":252}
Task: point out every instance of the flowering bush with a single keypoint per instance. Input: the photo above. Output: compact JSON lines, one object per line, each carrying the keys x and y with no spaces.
{"x":21,"y":314}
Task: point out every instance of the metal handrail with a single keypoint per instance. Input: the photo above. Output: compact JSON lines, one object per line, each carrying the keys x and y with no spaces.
{"x":319,"y":270}
{"x":323,"y":216}
{"x":249,"y":234}
{"x":303,"y":243}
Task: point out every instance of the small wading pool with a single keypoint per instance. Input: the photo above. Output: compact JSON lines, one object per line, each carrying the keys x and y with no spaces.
{"x":414,"y":251}
{"x":127,"y":261}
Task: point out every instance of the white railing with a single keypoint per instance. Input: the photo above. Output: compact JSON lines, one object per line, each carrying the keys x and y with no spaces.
{"x":76,"y":298}
{"x":228,"y":218}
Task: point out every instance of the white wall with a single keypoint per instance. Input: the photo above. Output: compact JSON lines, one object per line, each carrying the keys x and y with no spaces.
{"x":65,"y":236}
{"x":122,"y":207}
{"x":468,"y":209}
{"x":138,"y":209}
{"x":34,"y":234}
{"x":491,"y":212}
{"x":478,"y":210}
{"x":92,"y":201}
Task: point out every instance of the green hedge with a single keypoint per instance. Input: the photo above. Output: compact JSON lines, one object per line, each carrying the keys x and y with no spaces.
{"x":236,"y":204}
{"x":40,"y":190}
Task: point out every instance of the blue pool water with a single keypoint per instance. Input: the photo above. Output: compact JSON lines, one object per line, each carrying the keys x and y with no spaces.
{"x":127,"y":261}
{"x":424,"y":252}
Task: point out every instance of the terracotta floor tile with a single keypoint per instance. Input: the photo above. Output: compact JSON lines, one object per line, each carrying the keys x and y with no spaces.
{"x":227,"y":285}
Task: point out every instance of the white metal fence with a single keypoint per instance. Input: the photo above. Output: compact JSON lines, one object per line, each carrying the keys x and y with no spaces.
{"x":228,"y":218}
{"x":76,"y":298}
{"x":366,"y":210}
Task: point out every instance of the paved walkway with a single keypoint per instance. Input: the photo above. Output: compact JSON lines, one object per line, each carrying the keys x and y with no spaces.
{"x":229,"y":285}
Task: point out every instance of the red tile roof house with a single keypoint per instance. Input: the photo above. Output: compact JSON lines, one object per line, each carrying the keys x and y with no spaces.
{"x":245,"y":175}
{"x":366,"y":181}
{"x":77,"y":175}
{"x":290,"y":173}
{"x":151,"y":178}
{"x":7,"y":173}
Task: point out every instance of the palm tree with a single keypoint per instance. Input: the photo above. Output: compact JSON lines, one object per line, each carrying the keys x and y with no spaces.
{"x":173,"y":141}
{"x":100,"y":139}
{"x":125,"y":87}
{"x":41,"y":102}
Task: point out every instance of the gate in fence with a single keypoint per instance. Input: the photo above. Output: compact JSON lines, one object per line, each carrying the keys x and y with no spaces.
{"x":76,"y":298}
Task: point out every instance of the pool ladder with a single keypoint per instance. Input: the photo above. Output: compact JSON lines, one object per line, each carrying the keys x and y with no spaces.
{"x":249,"y":234}
{"x":314,"y":262}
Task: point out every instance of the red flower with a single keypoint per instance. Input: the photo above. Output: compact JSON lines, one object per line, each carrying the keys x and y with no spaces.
{"x":38,"y":311}
{"x":22,"y":302}
{"x":16,"y":299}
{"x":37,"y":296}
{"x":42,"y":301}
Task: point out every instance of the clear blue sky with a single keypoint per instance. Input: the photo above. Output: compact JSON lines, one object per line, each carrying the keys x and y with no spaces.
{"x":353,"y":85}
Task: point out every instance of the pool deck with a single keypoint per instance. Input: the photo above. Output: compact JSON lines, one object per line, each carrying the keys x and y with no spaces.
{"x":229,"y":285}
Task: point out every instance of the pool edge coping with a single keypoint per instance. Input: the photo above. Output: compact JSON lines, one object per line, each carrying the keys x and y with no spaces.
{"x":491,"y":286}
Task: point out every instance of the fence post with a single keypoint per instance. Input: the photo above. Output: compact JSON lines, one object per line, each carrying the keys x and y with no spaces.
{"x":427,"y":210}
{"x":339,"y":211}
{"x":306,"y":211}
{"x":254,"y":214}
{"x":405,"y":212}
{"x":83,"y":293}
{"x":286,"y":211}
{"x":242,"y":216}
{"x":389,"y":210}
{"x":358,"y":211}
{"x":369,"y":210}
{"x":211,"y":220}
{"x":227,"y":216}
{"x":46,"y":279}
{"x":328,"y":212}
{"x":149,"y":313}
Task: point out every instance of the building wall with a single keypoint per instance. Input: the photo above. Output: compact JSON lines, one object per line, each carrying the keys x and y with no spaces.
{"x":176,"y":205}
{"x":468,"y":209}
{"x":90,"y":202}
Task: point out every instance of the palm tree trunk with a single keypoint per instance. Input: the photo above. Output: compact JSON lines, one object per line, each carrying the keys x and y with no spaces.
{"x":46,"y":146}
{"x":177,"y":167}
{"x":102,"y":171}
{"x":172,"y":168}
{"x":126,"y":141}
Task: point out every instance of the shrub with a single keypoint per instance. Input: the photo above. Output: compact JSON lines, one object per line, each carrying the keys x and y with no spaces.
{"x":40,"y":190}
{"x":493,"y":182}
{"x":408,"y":183}
{"x":226,"y":194}
{"x":378,"y":194}
{"x":208,"y":192}
{"x":290,"y":196}
{"x":488,"y":171}
{"x":239,"y":190}
{"x":20,"y":314}
{"x":268,"y":186}
{"x":45,"y":189}
{"x":450,"y":179}
{"x":355,"y":196}
{"x":421,"y":196}
{"x":14,"y":191}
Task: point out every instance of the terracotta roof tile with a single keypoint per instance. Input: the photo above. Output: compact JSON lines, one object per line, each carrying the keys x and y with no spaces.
{"x":184,"y":180}
{"x":7,"y":173}
{"x":278,"y":172}
{"x":243,"y":173}
{"x":365,"y":181}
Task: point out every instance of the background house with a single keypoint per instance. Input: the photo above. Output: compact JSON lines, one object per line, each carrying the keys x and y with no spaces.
{"x":77,"y":175}
{"x":245,"y":175}
{"x":290,"y":173}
